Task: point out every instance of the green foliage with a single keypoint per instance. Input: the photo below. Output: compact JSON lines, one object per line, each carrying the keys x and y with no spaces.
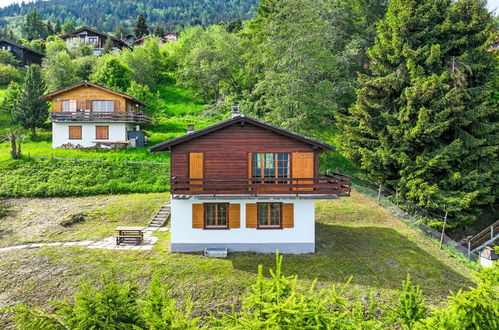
{"x":159,"y":309}
{"x":7,"y":58}
{"x":112,"y":73}
{"x":31,"y":111}
{"x":8,"y":73}
{"x":68,"y":27}
{"x":84,"y":66}
{"x":423,"y":121}
{"x":144,"y":94}
{"x":147,"y":62}
{"x":411,"y":307}
{"x":33,"y":27}
{"x":37,"y":45}
{"x":141,"y":29}
{"x":11,"y":98}
{"x":59,"y":70}
{"x":108,"y":46}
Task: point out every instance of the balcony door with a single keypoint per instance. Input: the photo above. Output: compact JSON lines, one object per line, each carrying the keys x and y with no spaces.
{"x":196,"y":169}
{"x":302,"y":167}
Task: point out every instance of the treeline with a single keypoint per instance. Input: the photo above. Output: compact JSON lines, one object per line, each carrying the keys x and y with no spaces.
{"x":272,"y":303}
{"x":107,"y":15}
{"x":412,"y":92}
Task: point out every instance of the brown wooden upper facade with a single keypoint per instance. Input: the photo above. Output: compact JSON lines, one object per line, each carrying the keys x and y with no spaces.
{"x":245,"y":156}
{"x":86,"y":101}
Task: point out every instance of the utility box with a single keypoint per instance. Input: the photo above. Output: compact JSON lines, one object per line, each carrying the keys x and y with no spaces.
{"x":488,"y":257}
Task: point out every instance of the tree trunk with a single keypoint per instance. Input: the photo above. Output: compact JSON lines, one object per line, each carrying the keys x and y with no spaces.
{"x":33,"y":131}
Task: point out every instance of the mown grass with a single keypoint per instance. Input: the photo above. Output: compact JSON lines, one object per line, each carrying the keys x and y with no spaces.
{"x":357,"y":241}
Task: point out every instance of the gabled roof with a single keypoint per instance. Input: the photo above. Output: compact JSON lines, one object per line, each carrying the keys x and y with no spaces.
{"x":21,"y":46}
{"x":102,"y":34}
{"x":86,"y":84}
{"x":239,"y":119}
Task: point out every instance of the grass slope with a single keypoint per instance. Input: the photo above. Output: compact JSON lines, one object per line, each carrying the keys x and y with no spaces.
{"x":355,"y":239}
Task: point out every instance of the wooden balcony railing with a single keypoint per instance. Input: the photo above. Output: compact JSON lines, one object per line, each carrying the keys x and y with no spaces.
{"x":129,"y":117}
{"x":325,"y":185}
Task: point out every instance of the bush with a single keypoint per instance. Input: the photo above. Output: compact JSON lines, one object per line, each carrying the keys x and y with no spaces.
{"x":8,"y":58}
{"x":9,"y":73}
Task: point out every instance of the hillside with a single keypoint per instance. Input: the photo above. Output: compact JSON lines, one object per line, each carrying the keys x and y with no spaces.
{"x":105,"y":15}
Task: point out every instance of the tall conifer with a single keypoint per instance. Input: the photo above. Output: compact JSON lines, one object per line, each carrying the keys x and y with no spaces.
{"x":423,"y":121}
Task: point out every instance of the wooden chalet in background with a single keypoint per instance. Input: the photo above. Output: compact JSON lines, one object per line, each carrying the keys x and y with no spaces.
{"x":88,"y":115}
{"x":96,"y":39}
{"x":246,"y":185}
{"x":25,"y":55}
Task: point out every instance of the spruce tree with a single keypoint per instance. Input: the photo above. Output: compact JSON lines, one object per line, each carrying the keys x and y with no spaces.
{"x":159,"y":31}
{"x":423,"y":121}
{"x":31,"y":111}
{"x":33,"y":27}
{"x":141,"y":29}
{"x":57,"y":27}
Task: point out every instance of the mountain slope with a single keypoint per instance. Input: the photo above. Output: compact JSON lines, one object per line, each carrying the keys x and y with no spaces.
{"x":105,"y":15}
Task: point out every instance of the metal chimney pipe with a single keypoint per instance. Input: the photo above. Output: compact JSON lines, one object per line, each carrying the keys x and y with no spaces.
{"x":190,"y":128}
{"x":236,"y":111}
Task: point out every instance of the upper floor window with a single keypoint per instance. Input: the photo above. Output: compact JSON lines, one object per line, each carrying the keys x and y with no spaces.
{"x":270,"y":165}
{"x":69,"y":105}
{"x":216,"y":215}
{"x":92,"y":40}
{"x":269,"y":215}
{"x":7,"y":47}
{"x":103,"y":106}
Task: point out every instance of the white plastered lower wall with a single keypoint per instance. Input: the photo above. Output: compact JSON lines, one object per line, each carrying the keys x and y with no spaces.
{"x":60,"y":133}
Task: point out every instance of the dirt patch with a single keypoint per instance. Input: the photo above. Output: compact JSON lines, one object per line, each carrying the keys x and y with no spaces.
{"x":33,"y":219}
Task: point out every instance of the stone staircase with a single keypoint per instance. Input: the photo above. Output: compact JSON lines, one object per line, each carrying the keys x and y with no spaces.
{"x":161,"y":217}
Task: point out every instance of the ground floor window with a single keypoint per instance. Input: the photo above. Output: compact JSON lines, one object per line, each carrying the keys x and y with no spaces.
{"x":75,"y":132}
{"x":216,"y":215}
{"x":269,"y":215}
{"x":102,"y":132}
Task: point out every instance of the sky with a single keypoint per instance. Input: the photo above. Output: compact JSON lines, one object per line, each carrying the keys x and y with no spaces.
{"x":491,"y":4}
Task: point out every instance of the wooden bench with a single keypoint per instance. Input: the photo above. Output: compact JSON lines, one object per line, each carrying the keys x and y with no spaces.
{"x":129,"y":234}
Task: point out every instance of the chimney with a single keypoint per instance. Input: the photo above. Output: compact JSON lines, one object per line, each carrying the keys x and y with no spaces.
{"x":235,"y":111}
{"x":190,"y":128}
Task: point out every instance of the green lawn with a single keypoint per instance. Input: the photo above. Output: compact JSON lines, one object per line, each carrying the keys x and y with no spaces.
{"x":355,"y":239}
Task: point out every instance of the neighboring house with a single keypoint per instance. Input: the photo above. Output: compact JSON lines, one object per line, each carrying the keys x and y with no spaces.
{"x":87,"y":36}
{"x":88,"y":115}
{"x":246,"y":185}
{"x":25,"y":55}
{"x":171,"y":37}
{"x":140,"y":42}
{"x":129,"y":39}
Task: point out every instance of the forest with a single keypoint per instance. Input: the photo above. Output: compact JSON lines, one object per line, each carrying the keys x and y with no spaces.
{"x":408,"y":90}
{"x":107,"y":15}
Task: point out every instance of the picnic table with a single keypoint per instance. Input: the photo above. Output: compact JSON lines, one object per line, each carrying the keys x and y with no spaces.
{"x":126,"y":234}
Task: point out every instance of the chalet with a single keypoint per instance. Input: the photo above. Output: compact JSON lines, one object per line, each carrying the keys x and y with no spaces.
{"x":90,"y":115}
{"x":140,"y":42}
{"x":246,"y":185}
{"x":87,"y":36}
{"x":171,"y":37}
{"x":25,"y":55}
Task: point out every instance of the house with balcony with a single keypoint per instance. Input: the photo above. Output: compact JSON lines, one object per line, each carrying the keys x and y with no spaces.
{"x":246,"y":185}
{"x":96,"y":39}
{"x":90,"y":115}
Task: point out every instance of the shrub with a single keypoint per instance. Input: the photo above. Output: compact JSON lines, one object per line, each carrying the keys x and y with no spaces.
{"x":8,"y":73}
{"x":411,"y":308}
{"x":8,"y":58}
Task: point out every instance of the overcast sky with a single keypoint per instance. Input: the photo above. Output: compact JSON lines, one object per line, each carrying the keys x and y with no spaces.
{"x":492,"y":4}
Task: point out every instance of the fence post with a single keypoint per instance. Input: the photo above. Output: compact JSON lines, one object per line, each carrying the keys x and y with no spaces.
{"x":379,"y":193}
{"x":52,"y":156}
{"x":443,"y":229}
{"x":469,"y":250}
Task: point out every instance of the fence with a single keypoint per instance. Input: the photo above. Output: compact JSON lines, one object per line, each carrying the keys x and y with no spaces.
{"x":92,"y":160}
{"x":410,"y":213}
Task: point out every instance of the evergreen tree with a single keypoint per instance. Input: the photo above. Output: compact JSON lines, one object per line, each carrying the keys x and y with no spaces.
{"x":33,"y":27}
{"x":31,"y":111}
{"x":423,"y":121}
{"x":108,"y":46}
{"x":141,"y":29}
{"x":120,"y":32}
{"x":159,"y":31}
{"x":57,"y":27}
{"x":50,"y":29}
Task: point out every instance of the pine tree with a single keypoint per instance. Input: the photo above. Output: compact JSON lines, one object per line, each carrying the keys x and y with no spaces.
{"x":57,"y":27}
{"x":32,"y":112}
{"x":141,"y":29}
{"x":159,"y":31}
{"x":50,"y":29}
{"x":423,"y":121}
{"x":33,"y":27}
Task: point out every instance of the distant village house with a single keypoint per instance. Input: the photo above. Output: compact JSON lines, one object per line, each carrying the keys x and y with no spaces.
{"x":26,"y":56}
{"x":97,"y":40}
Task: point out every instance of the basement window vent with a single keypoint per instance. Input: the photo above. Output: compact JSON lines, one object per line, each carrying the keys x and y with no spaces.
{"x":215,"y":252}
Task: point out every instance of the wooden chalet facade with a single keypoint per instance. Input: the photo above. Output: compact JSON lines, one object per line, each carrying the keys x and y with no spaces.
{"x":88,"y":115}
{"x":26,"y":56}
{"x":96,"y":39}
{"x":232,"y":182}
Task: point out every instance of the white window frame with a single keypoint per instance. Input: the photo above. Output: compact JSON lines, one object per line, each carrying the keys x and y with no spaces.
{"x":69,"y":105}
{"x":103,"y":106}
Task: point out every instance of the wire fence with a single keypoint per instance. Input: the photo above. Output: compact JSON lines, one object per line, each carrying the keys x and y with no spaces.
{"x":410,"y":213}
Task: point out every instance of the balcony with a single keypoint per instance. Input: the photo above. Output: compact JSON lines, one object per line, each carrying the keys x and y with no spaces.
{"x":135,"y":117}
{"x":323,"y":187}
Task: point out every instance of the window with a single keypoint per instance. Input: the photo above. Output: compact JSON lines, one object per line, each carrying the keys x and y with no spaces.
{"x":216,"y":215}
{"x":75,"y":132}
{"x":269,"y":215}
{"x":103,"y":106}
{"x":7,"y":47}
{"x":102,"y":132}
{"x":270,"y":165}
{"x":69,"y":105}
{"x":92,"y":40}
